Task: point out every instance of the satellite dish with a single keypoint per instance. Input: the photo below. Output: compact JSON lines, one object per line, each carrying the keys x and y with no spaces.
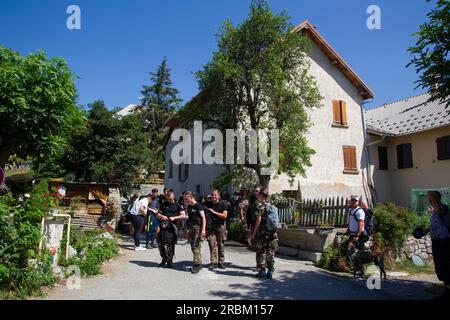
{"x":417,"y":260}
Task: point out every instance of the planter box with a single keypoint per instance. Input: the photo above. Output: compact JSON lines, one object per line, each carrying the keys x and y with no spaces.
{"x":305,"y":242}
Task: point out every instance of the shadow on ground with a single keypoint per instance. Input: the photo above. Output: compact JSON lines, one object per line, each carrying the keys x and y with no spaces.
{"x":313,"y":285}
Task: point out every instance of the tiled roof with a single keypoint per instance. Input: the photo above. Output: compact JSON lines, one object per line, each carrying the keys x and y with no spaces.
{"x":407,"y":116}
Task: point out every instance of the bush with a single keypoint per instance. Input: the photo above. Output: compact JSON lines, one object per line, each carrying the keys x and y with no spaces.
{"x":20,"y":224}
{"x":236,"y":231}
{"x":92,"y":250}
{"x":393,"y":225}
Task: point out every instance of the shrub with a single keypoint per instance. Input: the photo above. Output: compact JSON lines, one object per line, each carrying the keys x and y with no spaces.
{"x":20,"y":223}
{"x":236,"y":231}
{"x":393,"y":225}
{"x":92,"y":250}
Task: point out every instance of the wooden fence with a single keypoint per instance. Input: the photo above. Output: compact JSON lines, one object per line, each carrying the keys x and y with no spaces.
{"x":331,"y":212}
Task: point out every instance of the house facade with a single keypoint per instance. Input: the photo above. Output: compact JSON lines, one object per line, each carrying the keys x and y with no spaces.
{"x":340,"y":164}
{"x":409,"y":144}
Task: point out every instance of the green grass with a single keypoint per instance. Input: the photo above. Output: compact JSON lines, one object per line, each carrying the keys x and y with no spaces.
{"x":411,"y":268}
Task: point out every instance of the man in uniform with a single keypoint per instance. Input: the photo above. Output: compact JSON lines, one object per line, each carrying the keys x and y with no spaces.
{"x":248,"y":215}
{"x":196,"y":228}
{"x":169,"y":212}
{"x":266,"y":242}
{"x":217,"y":212}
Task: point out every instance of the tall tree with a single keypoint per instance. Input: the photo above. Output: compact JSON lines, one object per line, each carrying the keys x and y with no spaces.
{"x":37,"y":104}
{"x":109,"y":149}
{"x":431,"y":53}
{"x":159,"y":102}
{"x":258,"y":79}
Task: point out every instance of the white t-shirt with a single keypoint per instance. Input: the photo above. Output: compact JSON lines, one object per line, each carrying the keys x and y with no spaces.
{"x":353,"y":223}
{"x":138,"y":204}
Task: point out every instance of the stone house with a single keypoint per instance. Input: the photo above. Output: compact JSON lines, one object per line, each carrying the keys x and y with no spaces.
{"x":339,"y":166}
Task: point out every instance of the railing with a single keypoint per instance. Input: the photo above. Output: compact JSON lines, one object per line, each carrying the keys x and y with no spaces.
{"x":331,"y":212}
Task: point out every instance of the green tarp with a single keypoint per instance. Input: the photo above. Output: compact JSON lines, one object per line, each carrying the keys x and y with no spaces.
{"x":419,"y":198}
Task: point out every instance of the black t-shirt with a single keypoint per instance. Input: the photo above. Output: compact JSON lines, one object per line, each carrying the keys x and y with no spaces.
{"x":220,"y":207}
{"x":194,"y":218}
{"x":171,"y":209}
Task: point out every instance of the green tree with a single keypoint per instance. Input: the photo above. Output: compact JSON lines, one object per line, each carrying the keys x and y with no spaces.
{"x":109,"y":149}
{"x":430,"y":54}
{"x":159,"y":102}
{"x":37,"y":104}
{"x":258,"y":79}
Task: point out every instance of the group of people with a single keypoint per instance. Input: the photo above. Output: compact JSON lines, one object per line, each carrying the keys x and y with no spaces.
{"x":162,"y":216}
{"x":361,"y":227}
{"x":206,"y":219}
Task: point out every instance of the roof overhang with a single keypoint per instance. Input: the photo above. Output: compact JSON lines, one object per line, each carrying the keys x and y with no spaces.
{"x":335,"y":58}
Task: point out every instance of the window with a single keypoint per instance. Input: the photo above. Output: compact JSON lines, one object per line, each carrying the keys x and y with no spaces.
{"x":350,"y":159}
{"x":183,"y":172}
{"x":170,"y":168}
{"x":443,"y":148}
{"x":339,"y":113}
{"x":383,"y":163}
{"x":404,"y":156}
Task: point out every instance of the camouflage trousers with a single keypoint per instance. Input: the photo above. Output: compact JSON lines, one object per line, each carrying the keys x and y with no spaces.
{"x":194,"y":239}
{"x":216,"y":238}
{"x":266,"y":246}
{"x":167,"y":252}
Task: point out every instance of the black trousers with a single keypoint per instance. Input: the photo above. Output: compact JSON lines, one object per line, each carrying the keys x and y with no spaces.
{"x":441,"y":257}
{"x":138,"y":224}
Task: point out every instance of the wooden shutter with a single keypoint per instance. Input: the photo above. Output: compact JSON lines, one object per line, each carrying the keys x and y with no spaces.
{"x":350,"y":159}
{"x":383,"y":163}
{"x":336,"y":112}
{"x":404,"y":156}
{"x":170,"y":169}
{"x":443,"y":148}
{"x":343,"y":113}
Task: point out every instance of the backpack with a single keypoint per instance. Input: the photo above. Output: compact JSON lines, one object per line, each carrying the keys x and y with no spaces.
{"x":369,"y":221}
{"x":272,"y":218}
{"x":167,"y":233}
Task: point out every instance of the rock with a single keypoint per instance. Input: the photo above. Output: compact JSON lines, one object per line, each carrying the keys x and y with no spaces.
{"x":397,"y":274}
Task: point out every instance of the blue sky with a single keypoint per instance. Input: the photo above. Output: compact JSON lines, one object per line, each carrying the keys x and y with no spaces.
{"x":120,"y":41}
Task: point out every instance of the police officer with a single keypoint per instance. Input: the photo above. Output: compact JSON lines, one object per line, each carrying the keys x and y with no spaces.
{"x":169,"y":212}
{"x":196,"y":226}
{"x":266,"y":242}
{"x":217,"y":212}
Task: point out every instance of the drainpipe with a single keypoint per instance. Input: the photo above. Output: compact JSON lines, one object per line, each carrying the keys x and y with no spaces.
{"x":367,"y":181}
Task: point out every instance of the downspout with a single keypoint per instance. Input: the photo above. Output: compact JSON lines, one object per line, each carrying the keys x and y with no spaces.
{"x":367,"y":180}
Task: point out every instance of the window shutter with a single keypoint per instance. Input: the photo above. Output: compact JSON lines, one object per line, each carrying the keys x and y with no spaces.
{"x":336,"y":112}
{"x":170,"y":169}
{"x":350,"y":159}
{"x":404,"y":156}
{"x":343,"y":113}
{"x":383,"y":162}
{"x":443,"y":148}
{"x":408,"y":156}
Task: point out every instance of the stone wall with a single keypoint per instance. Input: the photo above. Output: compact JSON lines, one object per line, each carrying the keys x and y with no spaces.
{"x":421,"y":247}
